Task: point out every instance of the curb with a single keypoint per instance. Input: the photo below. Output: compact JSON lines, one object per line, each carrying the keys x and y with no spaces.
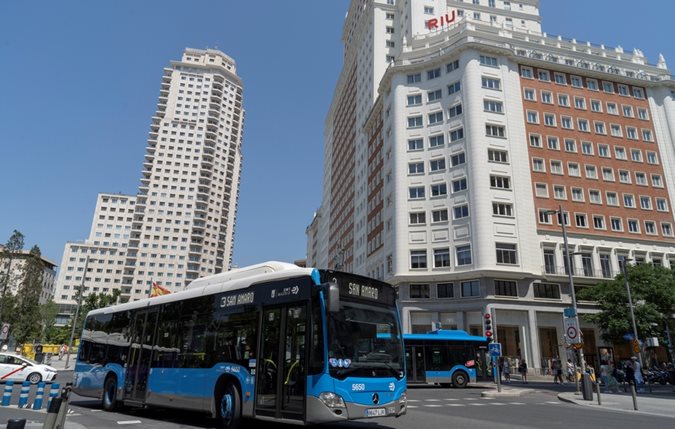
{"x":594,"y":405}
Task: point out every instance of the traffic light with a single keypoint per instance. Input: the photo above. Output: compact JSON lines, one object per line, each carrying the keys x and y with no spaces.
{"x":487,"y":325}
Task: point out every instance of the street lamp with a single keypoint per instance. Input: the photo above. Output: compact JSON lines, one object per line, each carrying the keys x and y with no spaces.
{"x":571,"y":281}
{"x":630,"y":304}
{"x":77,"y":311}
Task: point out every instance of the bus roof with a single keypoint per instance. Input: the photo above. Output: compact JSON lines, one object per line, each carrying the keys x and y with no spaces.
{"x":445,"y":335}
{"x":236,"y":279}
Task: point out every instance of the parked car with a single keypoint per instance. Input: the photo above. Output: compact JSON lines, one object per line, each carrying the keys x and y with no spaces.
{"x":18,"y":368}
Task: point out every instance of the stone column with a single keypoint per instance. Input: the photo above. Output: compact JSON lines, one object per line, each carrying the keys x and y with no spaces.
{"x":534,"y":349}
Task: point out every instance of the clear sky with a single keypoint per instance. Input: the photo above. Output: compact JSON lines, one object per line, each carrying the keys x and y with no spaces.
{"x":79,"y":82}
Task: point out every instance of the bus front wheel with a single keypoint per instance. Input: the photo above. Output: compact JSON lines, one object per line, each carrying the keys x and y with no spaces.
{"x":110,"y":393}
{"x":228,"y":406}
{"x":460,"y":379}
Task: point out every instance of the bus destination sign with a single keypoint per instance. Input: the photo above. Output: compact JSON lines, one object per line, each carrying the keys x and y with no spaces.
{"x":363,"y":291}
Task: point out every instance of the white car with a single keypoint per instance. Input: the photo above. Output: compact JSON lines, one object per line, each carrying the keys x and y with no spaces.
{"x":18,"y":368}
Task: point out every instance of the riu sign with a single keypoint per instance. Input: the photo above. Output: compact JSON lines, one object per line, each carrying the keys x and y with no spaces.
{"x":446,"y":19}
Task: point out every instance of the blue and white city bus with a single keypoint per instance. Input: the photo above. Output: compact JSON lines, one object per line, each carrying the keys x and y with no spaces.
{"x":272,"y":341}
{"x":446,"y":357}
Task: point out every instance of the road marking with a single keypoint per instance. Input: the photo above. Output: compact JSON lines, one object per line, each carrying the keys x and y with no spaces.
{"x":413,"y":400}
{"x":96,"y":411}
{"x":128,"y":422}
{"x":433,"y":405}
{"x":412,"y":406}
{"x":552,"y":402}
{"x":517,"y":403}
{"x":497,"y":403}
{"x":433,"y":400}
{"x":451,"y":399}
{"x":477,"y":404}
{"x":454,"y":405}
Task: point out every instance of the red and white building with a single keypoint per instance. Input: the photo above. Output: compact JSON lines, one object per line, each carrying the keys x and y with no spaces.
{"x":456,"y":128}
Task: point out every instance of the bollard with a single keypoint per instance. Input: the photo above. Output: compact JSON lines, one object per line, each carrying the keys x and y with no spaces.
{"x":598,"y":388}
{"x":632,"y":392}
{"x":53,"y":393}
{"x":23,"y":396}
{"x":16,"y":424}
{"x":52,"y":412}
{"x":39,"y":395}
{"x":7,"y":395}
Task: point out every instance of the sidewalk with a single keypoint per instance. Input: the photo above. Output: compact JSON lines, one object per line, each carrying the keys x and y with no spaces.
{"x":658,"y":404}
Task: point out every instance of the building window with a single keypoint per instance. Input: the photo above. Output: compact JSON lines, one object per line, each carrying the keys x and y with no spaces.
{"x":564,"y":100}
{"x":617,"y":226}
{"x":538,"y":165}
{"x":546,"y":97}
{"x":460,"y":212}
{"x":594,"y":196}
{"x":500,"y":156}
{"x":580,"y":220}
{"x":491,"y":83}
{"x":580,"y":103}
{"x":666,"y":230}
{"x":506,"y":253}
{"x":546,"y":290}
{"x":582,"y":125}
{"x":434,"y":95}
{"x":437,"y":164}
{"x":493,"y":106}
{"x":650,"y":227}
{"x":560,"y":79}
{"x":433,"y":74}
{"x":599,"y":128}
{"x":642,"y":114}
{"x":543,"y":75}
{"x":418,"y":218}
{"x":445,"y":290}
{"x":488,"y":61}
{"x":645,"y":203}
{"x":456,"y":134}
{"x":506,"y":288}
{"x":458,"y":159}
{"x":612,"y":199}
{"x":532,"y":117}
{"x":419,"y":291}
{"x":414,"y":100}
{"x":633,"y":226}
{"x":549,"y":120}
{"x":502,"y":209}
{"x":439,"y":215}
{"x":418,"y":259}
{"x":416,"y":192}
{"x":463,"y":255}
{"x":494,"y":130}
{"x":541,"y":190}
{"x":436,"y":141}
{"x":526,"y":72}
{"x":627,"y":111}
{"x":439,"y":190}
{"x":415,"y":122}
{"x":529,"y":94}
{"x":661,"y":205}
{"x":455,"y":110}
{"x":535,"y":140}
{"x":415,"y":144}
{"x":470,"y":288}
{"x":414,"y":78}
{"x":459,"y":185}
{"x":416,"y":168}
{"x":500,"y":182}
{"x":435,"y":118}
{"x":441,"y":258}
{"x":452,"y":66}
{"x":629,"y":201}
{"x":454,"y":87}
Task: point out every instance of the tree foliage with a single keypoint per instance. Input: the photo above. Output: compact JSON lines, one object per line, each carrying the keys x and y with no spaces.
{"x":8,"y":254}
{"x":28,"y":325}
{"x":652,"y":291}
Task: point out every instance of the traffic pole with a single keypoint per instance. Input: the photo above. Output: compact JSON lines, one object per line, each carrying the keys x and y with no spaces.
{"x":53,"y":393}
{"x":52,"y":413}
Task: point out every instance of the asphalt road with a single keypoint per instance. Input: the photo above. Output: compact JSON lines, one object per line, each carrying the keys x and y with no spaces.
{"x":429,"y":407}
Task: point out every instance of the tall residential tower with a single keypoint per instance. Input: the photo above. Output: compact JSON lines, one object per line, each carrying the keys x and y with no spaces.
{"x":183,"y":217}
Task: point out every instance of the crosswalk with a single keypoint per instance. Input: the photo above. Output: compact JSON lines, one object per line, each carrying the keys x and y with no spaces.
{"x":467,"y":402}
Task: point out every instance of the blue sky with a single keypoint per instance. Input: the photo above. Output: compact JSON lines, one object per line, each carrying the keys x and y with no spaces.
{"x":79,"y":82}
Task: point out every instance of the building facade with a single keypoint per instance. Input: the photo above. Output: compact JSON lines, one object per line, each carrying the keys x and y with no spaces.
{"x":180,"y":225}
{"x":15,"y":269}
{"x":481,"y":128}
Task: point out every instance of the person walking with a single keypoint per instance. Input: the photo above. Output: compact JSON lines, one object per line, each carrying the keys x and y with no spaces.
{"x":570,"y":371}
{"x":522,"y":369}
{"x":557,"y":372}
{"x":507,"y":371}
{"x":637,"y":370}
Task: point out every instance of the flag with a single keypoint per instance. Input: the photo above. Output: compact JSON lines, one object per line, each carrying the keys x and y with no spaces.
{"x":158,"y":290}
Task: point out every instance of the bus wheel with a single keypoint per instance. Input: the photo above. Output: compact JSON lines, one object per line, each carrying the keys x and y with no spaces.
{"x":459,"y":379}
{"x":110,"y":393}
{"x":228,"y":406}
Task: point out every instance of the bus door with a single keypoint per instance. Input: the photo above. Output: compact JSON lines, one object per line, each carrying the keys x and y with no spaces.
{"x":140,"y":354}
{"x":414,"y":356}
{"x":281,"y":373}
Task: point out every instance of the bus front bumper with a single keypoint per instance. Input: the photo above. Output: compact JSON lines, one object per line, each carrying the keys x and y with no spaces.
{"x":318,"y":412}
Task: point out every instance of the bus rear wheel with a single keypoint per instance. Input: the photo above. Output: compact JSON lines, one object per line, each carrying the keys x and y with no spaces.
{"x":110,"y":393}
{"x":228,"y":407}
{"x":460,"y":379}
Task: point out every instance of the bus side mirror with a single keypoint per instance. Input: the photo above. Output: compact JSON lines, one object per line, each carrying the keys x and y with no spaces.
{"x":333,"y":297}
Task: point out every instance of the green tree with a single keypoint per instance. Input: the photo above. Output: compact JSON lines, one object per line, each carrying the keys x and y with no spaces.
{"x":653,"y":294}
{"x":8,"y":254}
{"x":48,"y":312}
{"x":28,"y":326}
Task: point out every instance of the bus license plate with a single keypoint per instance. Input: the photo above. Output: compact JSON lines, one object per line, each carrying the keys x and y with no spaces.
{"x":376,"y":412}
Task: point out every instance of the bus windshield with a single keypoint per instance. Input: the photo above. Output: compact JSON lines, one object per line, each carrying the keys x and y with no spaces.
{"x":364,"y":341}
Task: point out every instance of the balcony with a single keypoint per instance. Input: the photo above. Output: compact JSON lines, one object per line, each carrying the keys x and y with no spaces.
{"x":581,"y":272}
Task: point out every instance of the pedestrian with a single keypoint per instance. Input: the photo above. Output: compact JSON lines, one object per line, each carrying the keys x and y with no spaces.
{"x":630,"y":373}
{"x":570,"y":371}
{"x":522,"y":369}
{"x":507,"y":371}
{"x":4,"y":347}
{"x":557,"y":371}
{"x":637,"y":370}
{"x":62,"y":350}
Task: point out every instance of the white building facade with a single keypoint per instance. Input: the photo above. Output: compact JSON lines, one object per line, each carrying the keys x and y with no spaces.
{"x":481,"y":126}
{"x":180,"y":225}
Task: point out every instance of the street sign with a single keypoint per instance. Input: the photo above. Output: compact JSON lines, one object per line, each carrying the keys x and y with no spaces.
{"x":572,"y":330}
{"x":495,"y":349}
{"x":4,"y":331}
{"x":569,"y":312}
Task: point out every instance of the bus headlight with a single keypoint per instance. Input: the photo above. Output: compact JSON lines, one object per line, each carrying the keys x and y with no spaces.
{"x":403,"y":400}
{"x":332,"y":400}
